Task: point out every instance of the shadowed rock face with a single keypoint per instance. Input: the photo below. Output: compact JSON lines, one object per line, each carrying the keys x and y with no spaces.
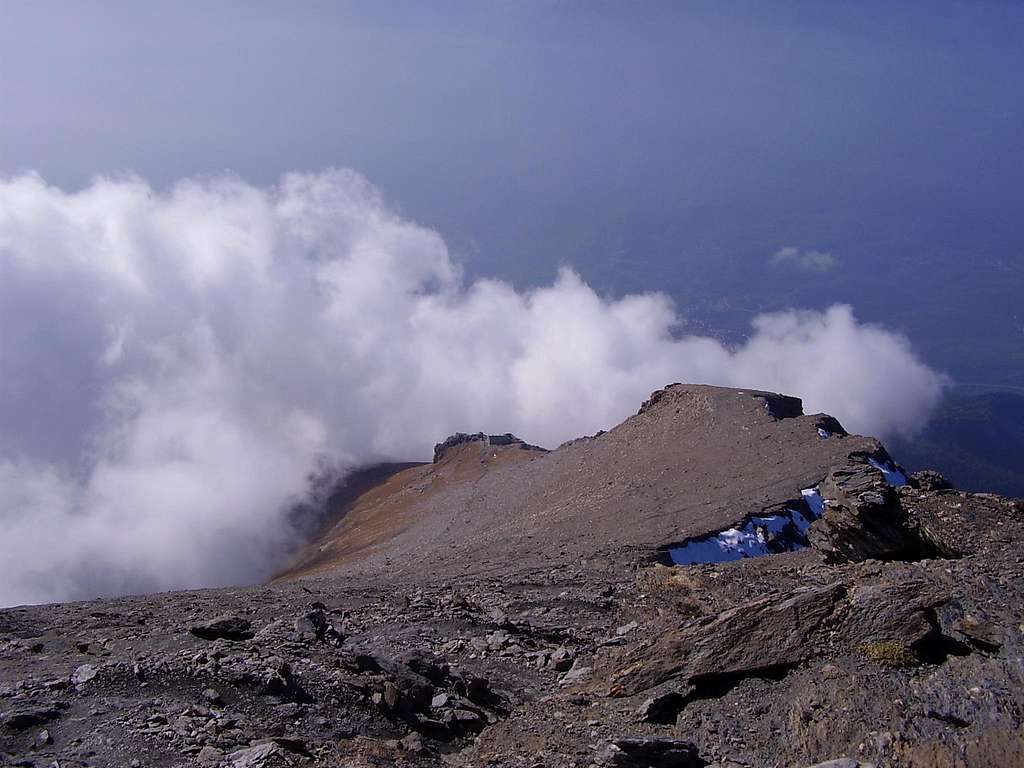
{"x":863,"y":517}
{"x":505,"y":606}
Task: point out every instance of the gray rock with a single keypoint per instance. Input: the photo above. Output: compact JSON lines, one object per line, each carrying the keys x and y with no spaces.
{"x":462,"y":721}
{"x":289,"y":710}
{"x":392,"y":695}
{"x":930,"y":480}
{"x":649,"y":752}
{"x":625,"y":629}
{"x":413,"y":743}
{"x":561,"y":659}
{"x":280,"y":682}
{"x":765,"y":633}
{"x":980,"y":632}
{"x":863,"y":518}
{"x":212,"y":696}
{"x":257,"y":756}
{"x":577,"y":673}
{"x":434,"y":670}
{"x":267,"y":752}
{"x":315,"y":626}
{"x":23,"y":719}
{"x":83,"y":674}
{"x":661,"y":709}
{"x":209,"y":756}
{"x":898,"y":612}
{"x":497,"y":639}
{"x":227,"y":627}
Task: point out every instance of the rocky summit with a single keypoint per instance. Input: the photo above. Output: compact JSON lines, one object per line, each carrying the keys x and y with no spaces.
{"x":720,"y":580}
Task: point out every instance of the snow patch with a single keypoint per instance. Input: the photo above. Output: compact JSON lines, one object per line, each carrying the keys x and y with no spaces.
{"x":812,"y":496}
{"x":824,"y":434}
{"x":893,"y":476}
{"x":759,"y":536}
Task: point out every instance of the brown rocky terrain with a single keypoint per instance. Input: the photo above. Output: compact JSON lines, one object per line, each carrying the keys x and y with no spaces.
{"x":509,"y":606}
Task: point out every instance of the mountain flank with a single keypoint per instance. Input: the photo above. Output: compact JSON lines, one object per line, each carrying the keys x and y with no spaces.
{"x":720,"y":580}
{"x":694,"y":460}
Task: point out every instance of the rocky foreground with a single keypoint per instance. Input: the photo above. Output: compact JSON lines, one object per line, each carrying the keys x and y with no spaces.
{"x":508,"y":606}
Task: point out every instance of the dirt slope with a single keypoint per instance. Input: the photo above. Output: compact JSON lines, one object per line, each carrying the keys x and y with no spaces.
{"x":695,"y":459}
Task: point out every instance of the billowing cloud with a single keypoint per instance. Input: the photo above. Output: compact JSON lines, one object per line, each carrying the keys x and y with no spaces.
{"x":177,"y":365}
{"x":816,"y":261}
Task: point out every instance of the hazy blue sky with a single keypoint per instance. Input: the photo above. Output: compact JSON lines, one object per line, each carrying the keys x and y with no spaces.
{"x":651,"y":145}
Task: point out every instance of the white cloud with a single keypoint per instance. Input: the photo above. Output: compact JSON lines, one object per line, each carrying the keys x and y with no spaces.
{"x":817,"y":261}
{"x":176,"y":365}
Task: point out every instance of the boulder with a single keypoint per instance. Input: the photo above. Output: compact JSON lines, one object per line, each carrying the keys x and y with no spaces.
{"x":280,"y":682}
{"x":23,"y":719}
{"x":863,"y":518}
{"x":901,"y":612}
{"x":649,"y":752}
{"x":434,"y":670}
{"x":767,"y":633}
{"x":226,"y":627}
{"x":315,"y":626}
{"x":83,"y":674}
{"x":577,"y":673}
{"x":209,"y":756}
{"x":661,"y":709}
{"x":561,"y":659}
{"x":257,"y":756}
{"x":930,"y":480}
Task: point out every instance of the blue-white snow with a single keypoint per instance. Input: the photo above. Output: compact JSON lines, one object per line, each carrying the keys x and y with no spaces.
{"x":762,"y":535}
{"x":813,"y":498}
{"x":892,"y":475}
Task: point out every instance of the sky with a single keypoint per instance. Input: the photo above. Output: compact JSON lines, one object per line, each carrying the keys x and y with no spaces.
{"x":244,"y":245}
{"x":671,"y":144}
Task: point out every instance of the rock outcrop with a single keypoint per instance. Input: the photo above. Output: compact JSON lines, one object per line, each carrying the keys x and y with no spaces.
{"x":461,"y":438}
{"x":863,"y":517}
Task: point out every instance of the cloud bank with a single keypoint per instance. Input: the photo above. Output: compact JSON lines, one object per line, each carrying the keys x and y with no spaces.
{"x":815,"y":261}
{"x":176,"y":365}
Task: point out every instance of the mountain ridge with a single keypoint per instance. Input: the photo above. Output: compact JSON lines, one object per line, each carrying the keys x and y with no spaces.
{"x":503,"y":606}
{"x":689,"y":428}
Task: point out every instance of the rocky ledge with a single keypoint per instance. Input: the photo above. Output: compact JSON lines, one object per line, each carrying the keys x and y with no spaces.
{"x":462,"y":438}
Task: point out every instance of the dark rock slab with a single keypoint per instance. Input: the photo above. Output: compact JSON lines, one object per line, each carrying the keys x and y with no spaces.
{"x":32,"y":717}
{"x":662,"y":709}
{"x":900,"y":612}
{"x":649,"y":752}
{"x":762,"y":635}
{"x":771,"y":634}
{"x":863,"y":518}
{"x":226,"y":627}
